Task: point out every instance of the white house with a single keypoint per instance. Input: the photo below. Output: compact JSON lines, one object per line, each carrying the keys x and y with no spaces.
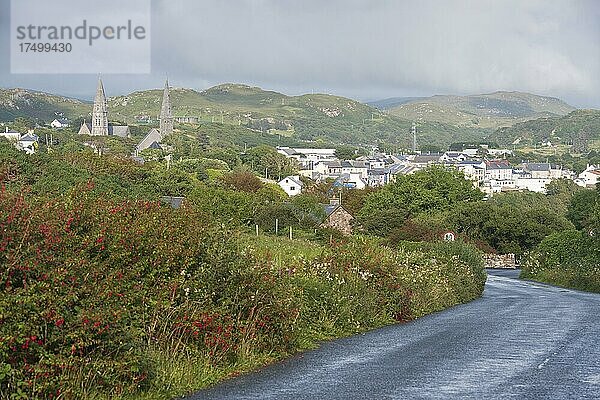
{"x":532,"y":184}
{"x":292,"y":185}
{"x":328,"y":169}
{"x":473,"y":170}
{"x":498,"y":170}
{"x":28,"y":143}
{"x":12,"y":135}
{"x":355,"y":167}
{"x":60,"y":123}
{"x":307,"y":158}
{"x":543,"y":170}
{"x":589,"y":177}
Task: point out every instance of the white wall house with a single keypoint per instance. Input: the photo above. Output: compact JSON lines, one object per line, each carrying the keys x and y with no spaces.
{"x":12,"y":135}
{"x":589,"y":177}
{"x":307,"y":158}
{"x":532,"y":184}
{"x":292,"y":185}
{"x":28,"y":143}
{"x":60,"y":123}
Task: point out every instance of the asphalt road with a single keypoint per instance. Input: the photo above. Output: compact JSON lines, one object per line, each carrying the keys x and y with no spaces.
{"x":521,"y":340}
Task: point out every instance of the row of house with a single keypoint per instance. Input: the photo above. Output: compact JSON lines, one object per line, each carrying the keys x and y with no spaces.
{"x":490,"y":175}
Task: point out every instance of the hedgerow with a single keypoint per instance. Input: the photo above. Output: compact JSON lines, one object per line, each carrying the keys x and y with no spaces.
{"x":96,"y":293}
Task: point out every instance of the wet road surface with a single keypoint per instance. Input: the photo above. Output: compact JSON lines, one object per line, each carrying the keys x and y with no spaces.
{"x":521,"y":340}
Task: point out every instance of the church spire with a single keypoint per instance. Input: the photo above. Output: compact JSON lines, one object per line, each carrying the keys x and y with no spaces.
{"x":100,"y":112}
{"x":166,"y":114}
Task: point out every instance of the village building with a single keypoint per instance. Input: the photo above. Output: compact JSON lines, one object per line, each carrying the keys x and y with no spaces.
{"x":11,"y":135}
{"x":589,"y":177}
{"x":60,"y":123}
{"x":28,"y":143}
{"x":338,"y":218}
{"x":306,"y":157}
{"x":543,"y":170}
{"x":291,"y":185}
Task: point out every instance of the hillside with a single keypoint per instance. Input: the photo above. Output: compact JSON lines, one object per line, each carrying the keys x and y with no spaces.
{"x":311,"y":117}
{"x":492,"y":110}
{"x":35,"y":105}
{"x":578,"y":124}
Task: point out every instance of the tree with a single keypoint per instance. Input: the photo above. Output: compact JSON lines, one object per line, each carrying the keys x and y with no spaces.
{"x":435,"y":188}
{"x":582,"y":206}
{"x":242,"y":180}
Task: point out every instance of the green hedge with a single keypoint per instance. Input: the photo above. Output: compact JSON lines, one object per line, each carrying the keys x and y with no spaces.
{"x":102,"y":298}
{"x":570,"y":259}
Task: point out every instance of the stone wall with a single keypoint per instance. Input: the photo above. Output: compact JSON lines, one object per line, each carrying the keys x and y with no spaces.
{"x":507,"y":261}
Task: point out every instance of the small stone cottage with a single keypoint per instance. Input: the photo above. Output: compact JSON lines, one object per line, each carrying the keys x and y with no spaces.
{"x":338,"y":218}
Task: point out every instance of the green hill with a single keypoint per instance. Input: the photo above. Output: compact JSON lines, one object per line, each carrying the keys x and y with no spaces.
{"x":578,"y":124}
{"x":492,"y":110}
{"x":39,"y":106}
{"x":312,"y":117}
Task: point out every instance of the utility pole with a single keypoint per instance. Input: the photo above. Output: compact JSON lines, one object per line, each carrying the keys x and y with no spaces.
{"x":413,"y":130}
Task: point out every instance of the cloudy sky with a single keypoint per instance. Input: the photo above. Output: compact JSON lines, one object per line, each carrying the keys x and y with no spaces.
{"x":365,"y":49}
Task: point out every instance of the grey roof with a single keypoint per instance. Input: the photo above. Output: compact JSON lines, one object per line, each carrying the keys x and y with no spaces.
{"x":155,"y":145}
{"x":152,"y":136}
{"x":173,"y":201}
{"x":289,"y":151}
{"x":332,"y":163}
{"x":294,"y":180}
{"x":118,"y":130}
{"x":426,"y":158}
{"x":537,"y":166}
{"x":30,"y":137}
{"x":331,"y":208}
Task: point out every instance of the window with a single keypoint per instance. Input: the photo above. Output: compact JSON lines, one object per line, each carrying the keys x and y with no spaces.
{"x":292,"y":188}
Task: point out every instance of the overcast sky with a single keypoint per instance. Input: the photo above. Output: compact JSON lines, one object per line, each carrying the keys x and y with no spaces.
{"x":364,"y":49}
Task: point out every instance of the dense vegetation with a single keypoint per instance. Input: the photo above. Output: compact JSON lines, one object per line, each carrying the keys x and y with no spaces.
{"x":571,"y":258}
{"x":107,"y":292}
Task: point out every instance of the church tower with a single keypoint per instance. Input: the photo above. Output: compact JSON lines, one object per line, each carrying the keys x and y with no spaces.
{"x":100,"y":112}
{"x":166,"y":114}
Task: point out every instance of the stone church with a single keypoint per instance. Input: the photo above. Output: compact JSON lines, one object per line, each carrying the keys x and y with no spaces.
{"x":153,"y":138}
{"x":100,"y":125}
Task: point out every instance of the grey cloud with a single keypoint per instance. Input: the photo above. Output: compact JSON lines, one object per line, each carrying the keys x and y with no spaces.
{"x":369,"y":48}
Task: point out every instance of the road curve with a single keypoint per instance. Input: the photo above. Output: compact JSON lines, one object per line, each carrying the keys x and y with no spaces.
{"x":521,"y":340}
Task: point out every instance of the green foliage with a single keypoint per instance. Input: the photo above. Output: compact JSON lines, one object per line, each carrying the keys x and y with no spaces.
{"x":581,"y":208}
{"x":99,"y":295}
{"x":509,"y":223}
{"x":570,"y":258}
{"x":435,"y":188}
{"x":267,"y":162}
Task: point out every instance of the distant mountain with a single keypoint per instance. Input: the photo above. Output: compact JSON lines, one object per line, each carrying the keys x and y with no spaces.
{"x":576,"y":126}
{"x":39,"y":106}
{"x":492,"y":110}
{"x":392,"y":102}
